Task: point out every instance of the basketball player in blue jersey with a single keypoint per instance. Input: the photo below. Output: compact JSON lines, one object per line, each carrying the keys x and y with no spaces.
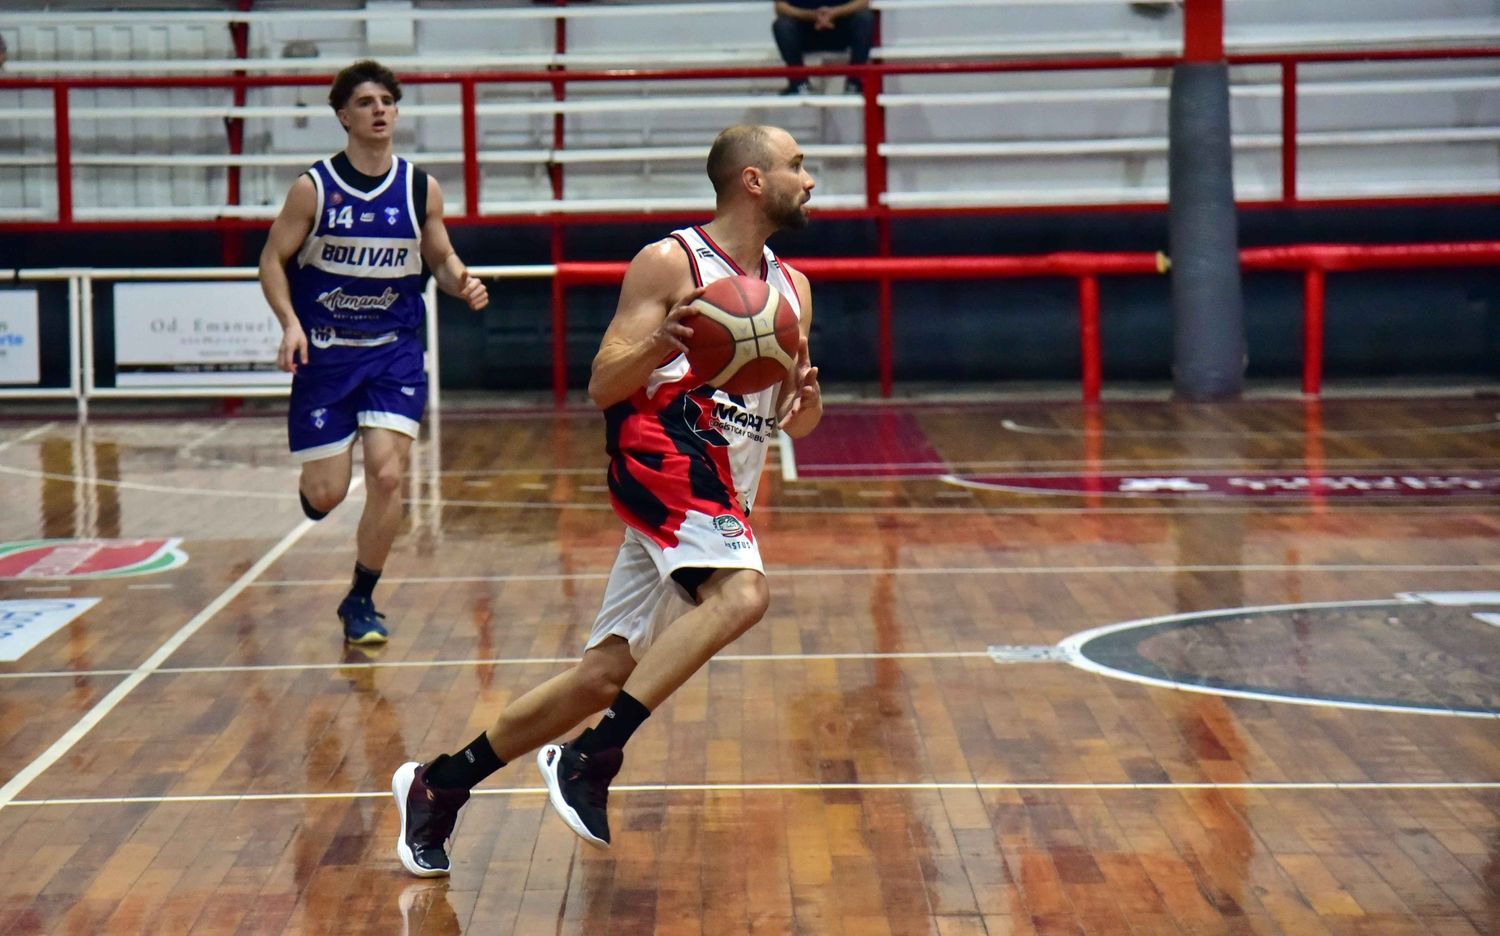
{"x":685,"y":463}
{"x":343,"y":271}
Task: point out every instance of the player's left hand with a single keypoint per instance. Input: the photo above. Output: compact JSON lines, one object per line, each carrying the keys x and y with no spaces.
{"x":472,"y":290}
{"x":802,"y":393}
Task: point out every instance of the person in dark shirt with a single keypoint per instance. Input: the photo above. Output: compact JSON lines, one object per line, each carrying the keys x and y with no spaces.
{"x":814,"y":26}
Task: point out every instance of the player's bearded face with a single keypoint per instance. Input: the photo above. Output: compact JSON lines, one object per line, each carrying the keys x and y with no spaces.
{"x":787,"y":207}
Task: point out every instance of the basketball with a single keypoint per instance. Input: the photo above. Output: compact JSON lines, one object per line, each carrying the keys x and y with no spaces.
{"x":745,"y":335}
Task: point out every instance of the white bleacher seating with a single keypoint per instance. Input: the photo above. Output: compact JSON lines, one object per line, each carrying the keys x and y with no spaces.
{"x":975,"y":139}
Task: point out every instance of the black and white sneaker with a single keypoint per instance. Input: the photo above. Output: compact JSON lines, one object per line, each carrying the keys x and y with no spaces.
{"x":578,"y":786}
{"x":427,"y":818}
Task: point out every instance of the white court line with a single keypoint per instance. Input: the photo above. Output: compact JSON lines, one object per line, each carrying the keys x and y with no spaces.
{"x":1073,"y":647}
{"x":802,"y":572}
{"x":28,"y":435}
{"x":787,"y":457}
{"x":104,"y":706}
{"x":500,"y":472}
{"x":1164,"y":463}
{"x":1305,"y":496}
{"x":978,"y":786}
{"x":1194,"y":506}
{"x":925,"y":469}
{"x":498,"y":661}
{"x":1268,"y":504}
{"x":139,"y":486}
{"x":211,"y":432}
{"x":1013,"y":426}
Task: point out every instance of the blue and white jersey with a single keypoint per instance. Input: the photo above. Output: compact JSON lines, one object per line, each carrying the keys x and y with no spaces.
{"x":357,"y":281}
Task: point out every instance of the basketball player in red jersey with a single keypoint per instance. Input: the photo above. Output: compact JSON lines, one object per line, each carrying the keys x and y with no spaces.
{"x":684,"y":463}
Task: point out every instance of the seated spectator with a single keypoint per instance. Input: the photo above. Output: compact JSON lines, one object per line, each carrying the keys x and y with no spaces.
{"x":812,"y":26}
{"x":1154,"y":9}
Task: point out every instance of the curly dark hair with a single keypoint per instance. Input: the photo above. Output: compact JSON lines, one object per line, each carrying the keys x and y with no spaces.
{"x":357,"y":74}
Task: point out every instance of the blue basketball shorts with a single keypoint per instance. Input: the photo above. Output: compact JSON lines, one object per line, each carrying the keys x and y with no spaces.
{"x":383,"y":388}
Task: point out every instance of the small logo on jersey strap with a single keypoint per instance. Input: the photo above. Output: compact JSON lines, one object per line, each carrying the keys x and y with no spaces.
{"x":367,"y":216}
{"x":317,"y":417}
{"x":391,"y":214}
{"x":729,"y":527}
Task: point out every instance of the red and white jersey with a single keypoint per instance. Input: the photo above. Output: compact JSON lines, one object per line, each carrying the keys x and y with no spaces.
{"x":677,"y":445}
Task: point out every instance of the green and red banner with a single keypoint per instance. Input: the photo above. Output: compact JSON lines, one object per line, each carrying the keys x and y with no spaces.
{"x":88,"y":559}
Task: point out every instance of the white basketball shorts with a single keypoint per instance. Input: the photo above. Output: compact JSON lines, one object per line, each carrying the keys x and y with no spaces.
{"x":641,"y":598}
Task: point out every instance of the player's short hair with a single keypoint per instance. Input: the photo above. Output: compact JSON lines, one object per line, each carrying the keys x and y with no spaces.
{"x":357,"y":74}
{"x":734,"y":149}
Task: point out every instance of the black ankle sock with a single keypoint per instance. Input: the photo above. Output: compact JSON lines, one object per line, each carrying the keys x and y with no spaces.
{"x":364,"y":581}
{"x":312,"y":512}
{"x":620,"y":721}
{"x":466,"y":769}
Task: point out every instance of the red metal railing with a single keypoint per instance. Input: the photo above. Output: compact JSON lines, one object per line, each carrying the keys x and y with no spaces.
{"x":1314,"y":260}
{"x":1084,"y":267}
{"x":884,"y":268}
{"x":1317,"y":260}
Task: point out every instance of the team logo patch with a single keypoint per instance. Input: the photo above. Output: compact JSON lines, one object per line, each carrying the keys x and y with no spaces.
{"x":317,"y":417}
{"x":391,"y":214}
{"x":69,"y":559}
{"x":335,"y":199}
{"x":728,"y":526}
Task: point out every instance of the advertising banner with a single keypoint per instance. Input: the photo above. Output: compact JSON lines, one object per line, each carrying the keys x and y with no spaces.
{"x":219,"y":334}
{"x":27,"y":622}
{"x":20,"y":359}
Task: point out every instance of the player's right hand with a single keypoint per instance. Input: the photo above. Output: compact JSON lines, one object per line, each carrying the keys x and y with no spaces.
{"x":293,"y":348}
{"x":671,"y":333}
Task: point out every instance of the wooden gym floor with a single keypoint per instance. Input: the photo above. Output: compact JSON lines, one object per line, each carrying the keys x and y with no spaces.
{"x":935,"y":730}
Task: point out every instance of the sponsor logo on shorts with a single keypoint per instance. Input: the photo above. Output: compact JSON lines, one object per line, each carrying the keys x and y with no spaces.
{"x":409,"y":391}
{"x":728,"y":526}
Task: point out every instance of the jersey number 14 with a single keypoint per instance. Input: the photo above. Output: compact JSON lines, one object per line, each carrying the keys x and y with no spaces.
{"x":341,"y":217}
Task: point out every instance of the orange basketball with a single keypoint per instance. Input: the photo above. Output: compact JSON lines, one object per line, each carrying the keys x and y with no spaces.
{"x":745,"y":335}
